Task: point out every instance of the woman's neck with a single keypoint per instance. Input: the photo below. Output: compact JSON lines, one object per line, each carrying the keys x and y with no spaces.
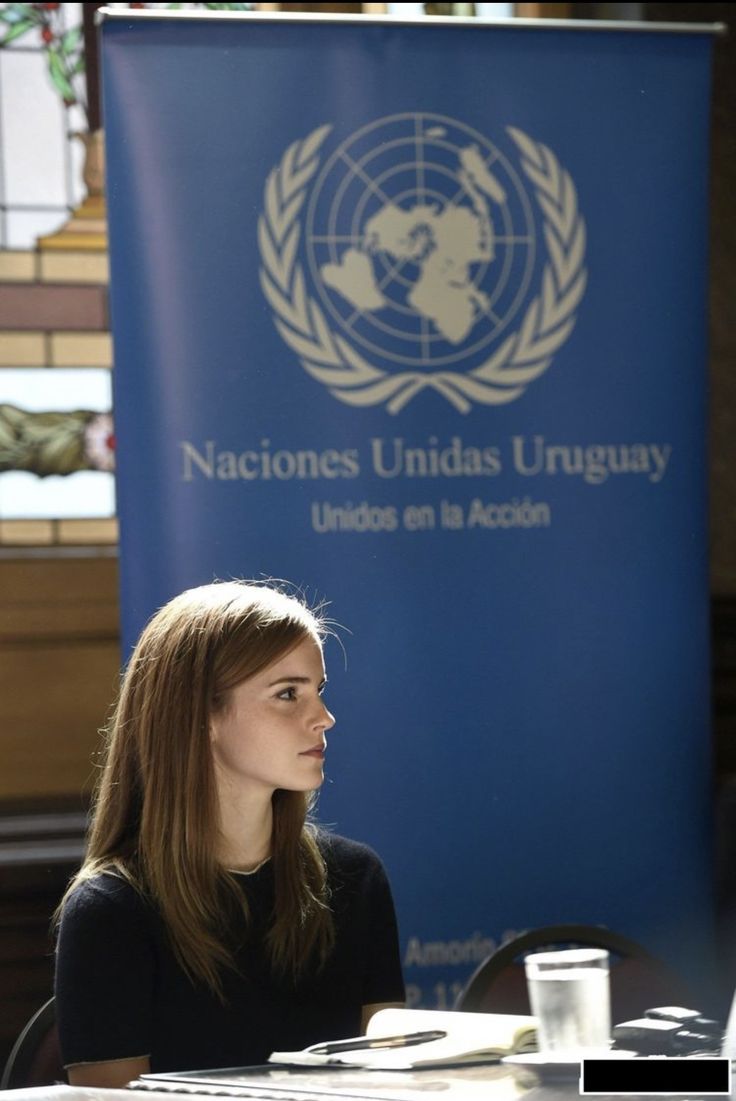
{"x":246,"y":826}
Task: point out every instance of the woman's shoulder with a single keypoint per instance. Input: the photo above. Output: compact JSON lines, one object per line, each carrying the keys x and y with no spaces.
{"x":358,"y":884}
{"x":105,"y":892}
{"x":345,"y":854}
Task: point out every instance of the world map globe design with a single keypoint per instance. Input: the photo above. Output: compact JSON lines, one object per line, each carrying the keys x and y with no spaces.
{"x":420,"y":240}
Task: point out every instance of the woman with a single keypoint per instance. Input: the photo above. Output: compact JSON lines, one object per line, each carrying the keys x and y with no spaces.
{"x":211,"y":923}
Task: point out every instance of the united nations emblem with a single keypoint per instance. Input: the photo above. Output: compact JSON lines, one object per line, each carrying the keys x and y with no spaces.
{"x":406,"y":259}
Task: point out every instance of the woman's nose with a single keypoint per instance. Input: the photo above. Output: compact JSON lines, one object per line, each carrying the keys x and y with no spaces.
{"x":327,"y":719}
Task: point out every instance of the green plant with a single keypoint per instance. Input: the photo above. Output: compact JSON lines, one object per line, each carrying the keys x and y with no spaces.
{"x":64,"y":49}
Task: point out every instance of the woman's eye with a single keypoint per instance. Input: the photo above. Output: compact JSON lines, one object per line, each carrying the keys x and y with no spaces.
{"x":288,"y":694}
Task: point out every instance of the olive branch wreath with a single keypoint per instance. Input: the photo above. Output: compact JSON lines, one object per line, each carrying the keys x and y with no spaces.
{"x":328,"y":358}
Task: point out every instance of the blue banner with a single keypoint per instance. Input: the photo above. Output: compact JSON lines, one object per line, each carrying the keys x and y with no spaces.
{"x":414,"y":316}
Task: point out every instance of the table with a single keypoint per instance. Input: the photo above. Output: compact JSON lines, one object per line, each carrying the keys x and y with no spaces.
{"x":477,"y":1083}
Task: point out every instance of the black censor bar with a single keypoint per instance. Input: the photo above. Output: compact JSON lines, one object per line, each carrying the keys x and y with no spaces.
{"x":656,"y":1075}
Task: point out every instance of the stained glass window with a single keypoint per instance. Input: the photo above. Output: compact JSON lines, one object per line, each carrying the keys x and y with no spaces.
{"x":56,"y":434}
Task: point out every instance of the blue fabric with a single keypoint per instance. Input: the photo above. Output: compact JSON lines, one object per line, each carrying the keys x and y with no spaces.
{"x":415,"y":317}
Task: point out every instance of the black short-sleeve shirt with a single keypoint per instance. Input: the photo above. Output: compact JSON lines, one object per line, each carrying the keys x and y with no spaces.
{"x":121,"y":993}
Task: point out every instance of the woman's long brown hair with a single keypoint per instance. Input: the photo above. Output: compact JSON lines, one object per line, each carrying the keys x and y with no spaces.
{"x":155,"y":819}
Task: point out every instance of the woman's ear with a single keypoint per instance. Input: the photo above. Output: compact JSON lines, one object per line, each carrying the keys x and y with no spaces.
{"x":217,"y":709}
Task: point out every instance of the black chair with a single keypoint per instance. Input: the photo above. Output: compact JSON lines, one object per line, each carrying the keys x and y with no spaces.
{"x":639,"y":980}
{"x":36,"y":1056}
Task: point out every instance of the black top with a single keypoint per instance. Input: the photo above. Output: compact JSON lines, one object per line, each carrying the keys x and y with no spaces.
{"x":121,"y":993}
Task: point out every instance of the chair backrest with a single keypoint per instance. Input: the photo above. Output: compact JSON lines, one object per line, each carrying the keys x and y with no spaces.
{"x":639,"y":980}
{"x":35,"y":1059}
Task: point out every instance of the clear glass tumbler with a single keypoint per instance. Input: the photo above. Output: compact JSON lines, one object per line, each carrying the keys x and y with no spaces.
{"x":570,"y":996}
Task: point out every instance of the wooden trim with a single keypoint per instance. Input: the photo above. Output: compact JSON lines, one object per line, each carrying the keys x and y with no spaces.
{"x":543,"y":11}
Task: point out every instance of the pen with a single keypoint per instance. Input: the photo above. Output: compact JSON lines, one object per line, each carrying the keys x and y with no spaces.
{"x":366,"y":1044}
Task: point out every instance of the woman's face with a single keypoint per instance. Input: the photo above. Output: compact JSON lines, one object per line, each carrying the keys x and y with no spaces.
{"x":270,"y":732}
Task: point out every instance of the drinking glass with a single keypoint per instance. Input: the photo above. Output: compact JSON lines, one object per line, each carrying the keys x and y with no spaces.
{"x":570,"y":996}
